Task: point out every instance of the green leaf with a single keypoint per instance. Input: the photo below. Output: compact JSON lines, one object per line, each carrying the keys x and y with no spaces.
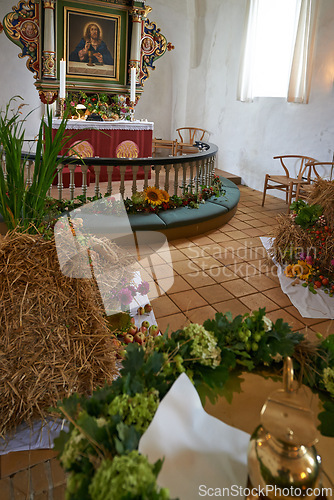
{"x":326,"y":418}
{"x":127,"y":438}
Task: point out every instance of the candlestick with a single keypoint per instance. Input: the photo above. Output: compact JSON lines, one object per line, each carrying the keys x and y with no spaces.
{"x":132,"y":111}
{"x":133,"y":85}
{"x":62,"y":106}
{"x":62,"y":78}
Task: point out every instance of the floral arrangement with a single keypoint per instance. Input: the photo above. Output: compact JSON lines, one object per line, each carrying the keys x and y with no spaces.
{"x":312,"y":260}
{"x":100,"y":449}
{"x":109,"y":107}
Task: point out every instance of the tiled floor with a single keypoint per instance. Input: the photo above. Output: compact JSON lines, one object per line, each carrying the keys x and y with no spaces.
{"x":227,"y":270}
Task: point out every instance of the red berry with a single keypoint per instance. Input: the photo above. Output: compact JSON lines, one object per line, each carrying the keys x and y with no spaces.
{"x":325,"y":281}
{"x":317,"y":284}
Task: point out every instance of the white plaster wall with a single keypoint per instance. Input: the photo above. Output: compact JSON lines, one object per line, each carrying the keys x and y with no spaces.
{"x":16,"y":79}
{"x":196,"y":83}
{"x":248,"y":134}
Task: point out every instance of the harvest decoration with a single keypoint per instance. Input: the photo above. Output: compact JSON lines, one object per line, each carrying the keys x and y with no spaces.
{"x":304,"y":243}
{"x":105,"y":429}
{"x":109,"y":107}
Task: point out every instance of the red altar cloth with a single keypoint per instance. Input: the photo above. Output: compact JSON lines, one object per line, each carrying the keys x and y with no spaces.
{"x":117,"y":139}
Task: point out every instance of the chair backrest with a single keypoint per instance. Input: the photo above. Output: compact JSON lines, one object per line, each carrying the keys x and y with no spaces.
{"x":190,"y":135}
{"x":301,"y":165}
{"x":322,"y":169}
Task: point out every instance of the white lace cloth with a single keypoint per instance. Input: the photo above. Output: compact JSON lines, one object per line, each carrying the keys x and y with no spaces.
{"x":104,"y":125}
{"x":309,"y":305}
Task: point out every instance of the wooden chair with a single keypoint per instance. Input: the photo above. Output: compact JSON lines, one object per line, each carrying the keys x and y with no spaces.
{"x":164,"y":144}
{"x":286,"y":183}
{"x":188,"y":137}
{"x":318,"y":170}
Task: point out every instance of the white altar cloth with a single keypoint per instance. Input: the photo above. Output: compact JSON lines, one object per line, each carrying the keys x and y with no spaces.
{"x":104,"y":125}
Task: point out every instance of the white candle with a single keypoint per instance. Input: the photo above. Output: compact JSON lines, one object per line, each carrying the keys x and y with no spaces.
{"x":133,"y":85}
{"x":62,"y":78}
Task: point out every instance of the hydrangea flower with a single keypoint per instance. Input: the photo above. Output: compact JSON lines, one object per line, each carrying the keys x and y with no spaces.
{"x":268,"y":324}
{"x":328,"y":379}
{"x":125,"y":296}
{"x":143,"y":288}
{"x":137,"y":410}
{"x":130,"y":476}
{"x":204,"y":346}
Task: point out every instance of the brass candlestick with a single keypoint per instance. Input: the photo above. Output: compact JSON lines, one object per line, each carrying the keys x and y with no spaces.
{"x":62,"y":107}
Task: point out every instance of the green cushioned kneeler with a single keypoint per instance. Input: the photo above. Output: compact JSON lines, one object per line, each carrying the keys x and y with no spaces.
{"x":229,"y":200}
{"x":184,"y":216}
{"x":227,"y":183}
{"x":146,"y":222}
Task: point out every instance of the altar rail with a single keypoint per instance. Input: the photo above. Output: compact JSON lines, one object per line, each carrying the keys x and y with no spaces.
{"x":191,"y":172}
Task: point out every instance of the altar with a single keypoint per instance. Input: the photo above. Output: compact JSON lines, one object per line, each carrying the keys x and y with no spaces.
{"x":108,"y":139}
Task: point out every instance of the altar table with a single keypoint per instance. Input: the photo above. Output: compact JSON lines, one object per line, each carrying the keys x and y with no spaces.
{"x":108,"y":139}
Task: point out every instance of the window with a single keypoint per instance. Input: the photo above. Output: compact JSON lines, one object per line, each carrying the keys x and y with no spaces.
{"x":278,"y":47}
{"x":273,"y":49}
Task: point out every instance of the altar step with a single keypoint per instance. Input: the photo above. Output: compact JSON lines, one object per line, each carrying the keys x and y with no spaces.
{"x":232,"y":177}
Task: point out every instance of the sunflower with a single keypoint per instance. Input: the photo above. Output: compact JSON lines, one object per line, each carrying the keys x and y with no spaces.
{"x":301,"y":270}
{"x":153,"y":196}
{"x":164,"y":196}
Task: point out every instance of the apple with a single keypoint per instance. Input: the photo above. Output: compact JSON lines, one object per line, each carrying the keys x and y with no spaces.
{"x":140,"y":337}
{"x":132,"y":321}
{"x":132,"y":330}
{"x":141,"y":311}
{"x":148,"y":308}
{"x":146,"y":324}
{"x":128,"y":338}
{"x":154,"y":330}
{"x":143,"y":329}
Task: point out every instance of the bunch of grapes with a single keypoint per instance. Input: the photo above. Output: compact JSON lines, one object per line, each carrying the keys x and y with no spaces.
{"x":249,"y":338}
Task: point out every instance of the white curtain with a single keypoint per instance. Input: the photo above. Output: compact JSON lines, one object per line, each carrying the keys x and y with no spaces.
{"x":245,"y":83}
{"x":300,"y":76}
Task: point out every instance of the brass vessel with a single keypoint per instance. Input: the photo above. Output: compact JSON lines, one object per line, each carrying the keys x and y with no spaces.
{"x":282,"y":460}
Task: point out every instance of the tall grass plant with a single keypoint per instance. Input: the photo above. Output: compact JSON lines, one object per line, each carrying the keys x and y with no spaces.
{"x":23,"y":205}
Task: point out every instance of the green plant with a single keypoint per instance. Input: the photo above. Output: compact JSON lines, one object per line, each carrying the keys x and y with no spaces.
{"x":23,"y":205}
{"x":105,"y":428}
{"x":307,"y":215}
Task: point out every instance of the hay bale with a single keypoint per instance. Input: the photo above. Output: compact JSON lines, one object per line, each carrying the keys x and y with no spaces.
{"x":322,"y":193}
{"x":54,"y":338}
{"x":288,"y":237}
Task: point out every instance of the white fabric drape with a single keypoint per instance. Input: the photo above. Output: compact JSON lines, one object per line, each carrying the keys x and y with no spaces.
{"x":245,"y":83}
{"x":300,"y":76}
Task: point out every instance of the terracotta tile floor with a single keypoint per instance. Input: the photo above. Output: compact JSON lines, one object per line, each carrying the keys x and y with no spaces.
{"x":226,"y":270}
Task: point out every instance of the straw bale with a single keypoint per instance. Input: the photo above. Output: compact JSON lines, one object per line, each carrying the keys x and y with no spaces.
{"x":290,"y":240}
{"x":322,"y":193}
{"x":54,"y":338}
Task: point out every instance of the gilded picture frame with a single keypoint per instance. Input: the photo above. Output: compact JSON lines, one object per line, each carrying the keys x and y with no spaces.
{"x":94,"y":43}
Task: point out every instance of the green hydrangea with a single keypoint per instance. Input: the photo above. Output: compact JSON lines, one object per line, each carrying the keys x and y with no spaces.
{"x":126,"y":476}
{"x":204,"y":346}
{"x":74,"y":447}
{"x":328,"y":379}
{"x":138,"y":197}
{"x":137,"y":410}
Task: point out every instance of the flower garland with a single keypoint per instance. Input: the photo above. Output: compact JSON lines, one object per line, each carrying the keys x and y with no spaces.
{"x":100,"y":449}
{"x":109,"y":107}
